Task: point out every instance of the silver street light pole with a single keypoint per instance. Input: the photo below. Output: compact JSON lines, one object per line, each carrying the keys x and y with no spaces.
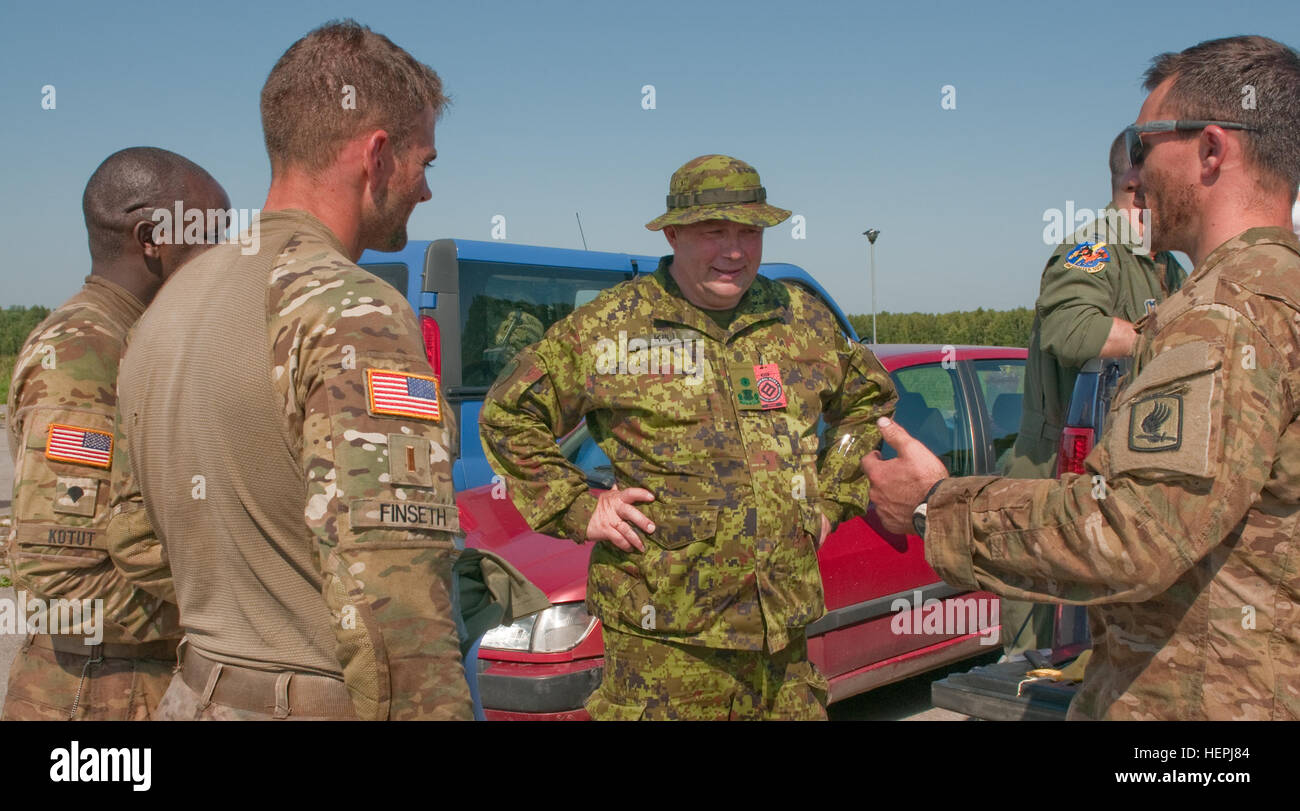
{"x":871,"y":234}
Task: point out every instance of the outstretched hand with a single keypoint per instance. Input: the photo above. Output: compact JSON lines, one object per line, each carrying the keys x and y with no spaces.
{"x":899,"y":485}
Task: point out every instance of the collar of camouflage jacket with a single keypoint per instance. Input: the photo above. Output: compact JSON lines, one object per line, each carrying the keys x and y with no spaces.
{"x":765,"y":300}
{"x":114,"y":298}
{"x":298,"y":220}
{"x":1250,"y":238}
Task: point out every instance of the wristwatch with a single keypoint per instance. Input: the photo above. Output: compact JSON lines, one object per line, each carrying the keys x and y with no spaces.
{"x":918,"y":515}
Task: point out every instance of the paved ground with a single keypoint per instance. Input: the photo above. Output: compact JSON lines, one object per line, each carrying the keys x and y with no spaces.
{"x":905,"y":701}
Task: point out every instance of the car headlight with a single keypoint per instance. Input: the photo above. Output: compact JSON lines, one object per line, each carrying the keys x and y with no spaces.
{"x":558,"y":628}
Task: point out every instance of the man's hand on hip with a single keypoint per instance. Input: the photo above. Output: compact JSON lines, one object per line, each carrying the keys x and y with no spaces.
{"x":614,"y":511}
{"x":898,"y":486}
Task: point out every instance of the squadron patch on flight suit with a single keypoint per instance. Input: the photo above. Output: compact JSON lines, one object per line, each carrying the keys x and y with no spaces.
{"x":402,"y":394}
{"x":82,"y":446}
{"x":1088,"y":256}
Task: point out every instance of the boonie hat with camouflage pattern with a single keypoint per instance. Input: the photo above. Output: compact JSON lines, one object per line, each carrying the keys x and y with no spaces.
{"x":717,"y":187}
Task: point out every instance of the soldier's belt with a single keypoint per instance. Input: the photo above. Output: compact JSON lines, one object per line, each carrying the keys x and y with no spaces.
{"x":71,"y":643}
{"x":279,"y":694}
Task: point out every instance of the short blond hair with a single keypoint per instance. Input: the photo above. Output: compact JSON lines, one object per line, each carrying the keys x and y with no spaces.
{"x":306,"y":119}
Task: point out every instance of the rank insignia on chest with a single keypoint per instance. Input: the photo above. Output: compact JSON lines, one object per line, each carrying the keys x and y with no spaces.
{"x":1088,"y":256}
{"x":402,"y":394}
{"x":760,"y":391}
{"x":1156,"y":423}
{"x":82,"y":446}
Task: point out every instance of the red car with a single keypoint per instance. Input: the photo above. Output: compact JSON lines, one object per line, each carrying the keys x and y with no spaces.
{"x":888,"y":615}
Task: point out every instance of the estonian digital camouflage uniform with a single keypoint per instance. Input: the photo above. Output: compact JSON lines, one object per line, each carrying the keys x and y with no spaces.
{"x":1188,"y":562}
{"x":720,"y":424}
{"x":61,"y":405}
{"x":1078,"y":299}
{"x":289,"y":439}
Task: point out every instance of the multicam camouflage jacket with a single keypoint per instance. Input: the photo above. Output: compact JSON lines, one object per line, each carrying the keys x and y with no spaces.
{"x":721,"y":426}
{"x":61,"y":405}
{"x":1182,"y":536}
{"x":286,"y":439}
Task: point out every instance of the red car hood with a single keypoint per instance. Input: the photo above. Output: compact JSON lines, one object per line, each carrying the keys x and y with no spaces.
{"x":555,"y":565}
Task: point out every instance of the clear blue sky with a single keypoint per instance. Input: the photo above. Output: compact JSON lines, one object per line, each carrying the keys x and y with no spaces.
{"x":837,"y":104}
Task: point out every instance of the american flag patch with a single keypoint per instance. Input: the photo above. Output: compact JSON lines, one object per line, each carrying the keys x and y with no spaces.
{"x":85,"y":446}
{"x":402,"y":394}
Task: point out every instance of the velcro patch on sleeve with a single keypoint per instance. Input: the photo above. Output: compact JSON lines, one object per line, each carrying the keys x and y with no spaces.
{"x":1170,"y":419}
{"x":82,"y":446}
{"x":75,"y":495}
{"x":404,"y":515}
{"x":56,"y":535}
{"x":402,"y":394}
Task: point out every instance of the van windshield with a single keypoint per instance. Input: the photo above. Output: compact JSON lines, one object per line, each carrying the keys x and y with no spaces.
{"x":505,"y":308}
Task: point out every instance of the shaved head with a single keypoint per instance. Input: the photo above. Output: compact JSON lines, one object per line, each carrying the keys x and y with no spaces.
{"x":129,"y":185}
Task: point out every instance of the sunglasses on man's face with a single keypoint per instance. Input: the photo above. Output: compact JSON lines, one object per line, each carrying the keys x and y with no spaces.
{"x":1133,"y":133}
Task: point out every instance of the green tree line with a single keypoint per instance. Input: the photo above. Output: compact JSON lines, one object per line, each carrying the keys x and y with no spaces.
{"x":16,"y":323}
{"x":976,"y":327}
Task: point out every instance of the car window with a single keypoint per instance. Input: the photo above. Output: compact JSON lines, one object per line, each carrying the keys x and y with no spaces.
{"x":931,"y":408}
{"x":394,"y":273}
{"x":1002,"y":386}
{"x":504,"y":308}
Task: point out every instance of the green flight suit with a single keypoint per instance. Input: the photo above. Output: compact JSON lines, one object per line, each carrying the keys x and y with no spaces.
{"x":1072,"y":319}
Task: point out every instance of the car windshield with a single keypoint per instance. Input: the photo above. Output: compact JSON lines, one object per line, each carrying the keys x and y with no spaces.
{"x":507,"y":307}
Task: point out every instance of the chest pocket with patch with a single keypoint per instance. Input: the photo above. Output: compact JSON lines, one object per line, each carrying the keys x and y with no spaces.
{"x":1168,"y":422}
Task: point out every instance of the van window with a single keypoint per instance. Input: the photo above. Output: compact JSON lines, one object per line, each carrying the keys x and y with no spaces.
{"x":395,"y":273}
{"x":504,"y":308}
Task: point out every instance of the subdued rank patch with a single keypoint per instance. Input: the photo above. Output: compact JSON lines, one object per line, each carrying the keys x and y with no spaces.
{"x":1089,"y":257}
{"x":82,"y":446}
{"x":75,"y":496}
{"x":1156,"y":423}
{"x":404,"y":515}
{"x":744,"y":383}
{"x":402,"y":394}
{"x":409,"y":460}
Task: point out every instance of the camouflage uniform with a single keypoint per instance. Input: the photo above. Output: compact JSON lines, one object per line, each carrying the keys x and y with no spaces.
{"x":292,"y":454}
{"x":65,"y":378}
{"x":1187,"y":558}
{"x":730,"y":573}
{"x":1072,"y":318}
